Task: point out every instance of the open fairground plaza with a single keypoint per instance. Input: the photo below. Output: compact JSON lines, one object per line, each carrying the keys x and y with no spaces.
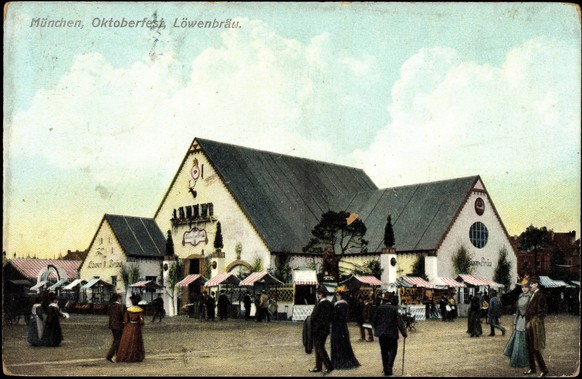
{"x":182,"y":346}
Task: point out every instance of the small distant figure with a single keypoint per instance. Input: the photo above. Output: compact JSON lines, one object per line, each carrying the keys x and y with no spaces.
{"x":443,"y":308}
{"x":210,"y":306}
{"x":223,"y":304}
{"x":52,"y":334}
{"x":131,"y":347}
{"x":474,"y":319}
{"x":116,"y":312}
{"x":247,"y":304}
{"x":202,"y":305}
{"x":264,"y":307}
{"x":494,"y":314}
{"x":367,"y":314}
{"x":158,"y":305}
{"x":36,"y":323}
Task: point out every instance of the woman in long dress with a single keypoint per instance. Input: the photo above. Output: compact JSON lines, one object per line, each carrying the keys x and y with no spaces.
{"x":342,"y":354}
{"x":475,"y":329}
{"x":131,"y":348}
{"x":36,"y":323}
{"x":516,"y":349}
{"x":52,"y":334}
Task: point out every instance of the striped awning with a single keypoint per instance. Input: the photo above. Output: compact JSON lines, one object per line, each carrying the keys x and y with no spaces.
{"x":74,"y":284}
{"x":39,"y":285}
{"x":418,"y":281}
{"x":367,"y":280}
{"x":58,"y":284}
{"x":224,"y":278}
{"x":192,"y":278}
{"x":259,"y":277}
{"x":471,"y":280}
{"x":575,"y":283}
{"x":145,"y":283}
{"x":546,"y":282}
{"x":449,"y":282}
{"x":305,"y":278}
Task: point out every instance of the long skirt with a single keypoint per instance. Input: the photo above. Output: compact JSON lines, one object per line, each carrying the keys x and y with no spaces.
{"x":516,"y":350}
{"x":35,"y":327}
{"x":131,"y":347}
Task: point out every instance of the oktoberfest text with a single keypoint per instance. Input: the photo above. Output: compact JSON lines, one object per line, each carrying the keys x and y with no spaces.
{"x":106,"y":23}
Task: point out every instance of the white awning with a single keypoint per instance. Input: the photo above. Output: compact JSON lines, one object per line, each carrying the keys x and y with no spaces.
{"x":74,"y":284}
{"x":38,"y":285}
{"x":305,"y":277}
{"x":58,"y":284}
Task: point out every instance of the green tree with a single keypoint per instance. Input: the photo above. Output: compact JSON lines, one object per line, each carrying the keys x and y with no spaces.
{"x":389,"y":233}
{"x":462,"y":262}
{"x":169,"y":245}
{"x":533,"y":240}
{"x":333,"y":237}
{"x":282,"y":270}
{"x":218,"y":238}
{"x":175,"y":275}
{"x":502,"y":274}
{"x":418,"y":268}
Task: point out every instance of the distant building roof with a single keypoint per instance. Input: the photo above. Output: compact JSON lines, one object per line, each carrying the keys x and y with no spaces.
{"x":31,"y":267}
{"x":138,"y":236}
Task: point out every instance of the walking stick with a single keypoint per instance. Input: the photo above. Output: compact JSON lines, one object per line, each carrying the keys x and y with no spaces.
{"x":403,"y":352}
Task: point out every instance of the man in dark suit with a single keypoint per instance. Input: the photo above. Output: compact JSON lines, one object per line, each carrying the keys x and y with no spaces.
{"x":387,"y":322}
{"x":116,"y":312}
{"x":535,"y":333}
{"x":320,"y":327}
{"x":158,"y":304}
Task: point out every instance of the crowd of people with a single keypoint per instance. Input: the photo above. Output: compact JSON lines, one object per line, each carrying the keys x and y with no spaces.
{"x":381,"y":319}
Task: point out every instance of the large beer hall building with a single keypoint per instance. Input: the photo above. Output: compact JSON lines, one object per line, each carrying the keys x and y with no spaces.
{"x":266,"y":204}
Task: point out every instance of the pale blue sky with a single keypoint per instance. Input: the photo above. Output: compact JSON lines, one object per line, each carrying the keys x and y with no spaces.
{"x":97,"y":120}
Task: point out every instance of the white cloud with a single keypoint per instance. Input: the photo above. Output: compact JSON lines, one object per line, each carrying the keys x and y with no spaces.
{"x":452,"y":118}
{"x":257,"y":89}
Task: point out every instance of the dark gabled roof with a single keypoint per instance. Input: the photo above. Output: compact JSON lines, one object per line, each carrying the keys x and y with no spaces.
{"x":138,"y":236}
{"x":282,"y":196}
{"x":421,"y":213}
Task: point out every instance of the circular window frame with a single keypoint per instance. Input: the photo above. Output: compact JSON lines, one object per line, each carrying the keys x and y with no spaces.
{"x":479,"y":235}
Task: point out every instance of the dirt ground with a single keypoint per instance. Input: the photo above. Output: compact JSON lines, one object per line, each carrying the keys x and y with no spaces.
{"x":186,"y":347}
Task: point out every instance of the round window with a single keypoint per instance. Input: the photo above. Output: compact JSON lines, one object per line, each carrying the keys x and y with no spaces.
{"x":478,"y":235}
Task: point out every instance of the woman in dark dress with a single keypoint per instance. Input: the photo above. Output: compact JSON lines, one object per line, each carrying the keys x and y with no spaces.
{"x":474,"y":319}
{"x":53,"y":335}
{"x":131,"y":348}
{"x":36,"y":323}
{"x":342,"y":354}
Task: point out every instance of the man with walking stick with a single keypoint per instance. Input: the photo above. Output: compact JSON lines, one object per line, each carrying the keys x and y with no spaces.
{"x":387,"y":322}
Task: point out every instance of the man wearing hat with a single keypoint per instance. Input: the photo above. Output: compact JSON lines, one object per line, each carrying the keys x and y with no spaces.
{"x":320,"y":326}
{"x":116,"y":311}
{"x":535,"y":333}
{"x":387,"y":323}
